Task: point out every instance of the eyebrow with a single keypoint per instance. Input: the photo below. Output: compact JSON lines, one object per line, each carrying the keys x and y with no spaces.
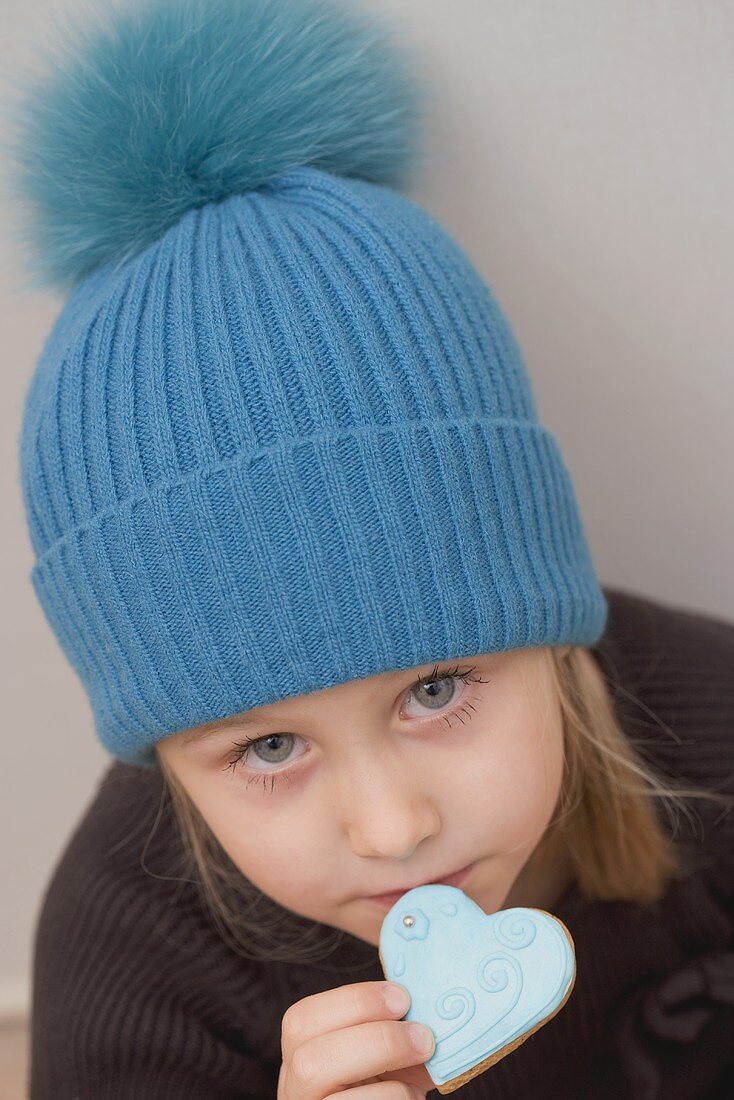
{"x":249,"y":720}
{"x":213,"y":729}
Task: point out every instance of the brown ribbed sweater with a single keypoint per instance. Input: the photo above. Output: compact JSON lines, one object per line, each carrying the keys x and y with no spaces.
{"x":137,"y":996}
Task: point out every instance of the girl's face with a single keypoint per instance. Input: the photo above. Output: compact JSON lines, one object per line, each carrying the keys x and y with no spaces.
{"x":384,"y":783}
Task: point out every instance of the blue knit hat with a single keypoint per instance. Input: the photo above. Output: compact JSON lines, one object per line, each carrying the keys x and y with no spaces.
{"x":281,"y":435}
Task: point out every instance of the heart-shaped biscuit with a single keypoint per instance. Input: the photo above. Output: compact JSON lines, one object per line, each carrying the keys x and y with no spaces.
{"x":482,"y":983}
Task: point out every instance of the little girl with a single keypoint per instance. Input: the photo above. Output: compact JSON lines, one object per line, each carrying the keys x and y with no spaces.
{"x":321,"y":572}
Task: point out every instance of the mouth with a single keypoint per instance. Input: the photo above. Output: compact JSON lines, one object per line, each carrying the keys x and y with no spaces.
{"x":388,"y":900}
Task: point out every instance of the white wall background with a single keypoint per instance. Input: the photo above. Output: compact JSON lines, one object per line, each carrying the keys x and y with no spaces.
{"x":582,"y":155}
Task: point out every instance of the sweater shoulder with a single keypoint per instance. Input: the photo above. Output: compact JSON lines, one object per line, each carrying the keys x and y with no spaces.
{"x":670,"y":671}
{"x":133,"y":989}
{"x":644,"y":627}
{"x":123,"y":851}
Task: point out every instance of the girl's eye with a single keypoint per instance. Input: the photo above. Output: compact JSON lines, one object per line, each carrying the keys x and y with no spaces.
{"x":438,"y":691}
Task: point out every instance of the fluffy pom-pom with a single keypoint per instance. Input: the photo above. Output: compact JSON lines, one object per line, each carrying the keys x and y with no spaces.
{"x":160,"y":108}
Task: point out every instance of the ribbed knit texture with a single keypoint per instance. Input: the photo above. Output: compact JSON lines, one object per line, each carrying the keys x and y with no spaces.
{"x":137,"y":996}
{"x":292,"y":443}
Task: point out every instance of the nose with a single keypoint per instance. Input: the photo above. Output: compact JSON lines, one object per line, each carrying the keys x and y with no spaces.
{"x":387,"y":810}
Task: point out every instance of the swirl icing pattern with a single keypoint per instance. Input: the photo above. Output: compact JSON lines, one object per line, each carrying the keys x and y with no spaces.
{"x":482,"y":982}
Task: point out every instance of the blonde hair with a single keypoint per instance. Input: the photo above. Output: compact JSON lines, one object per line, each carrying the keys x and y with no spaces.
{"x":606,"y":817}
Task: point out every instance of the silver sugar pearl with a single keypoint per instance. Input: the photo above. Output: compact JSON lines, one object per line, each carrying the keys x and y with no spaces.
{"x":408,"y":921}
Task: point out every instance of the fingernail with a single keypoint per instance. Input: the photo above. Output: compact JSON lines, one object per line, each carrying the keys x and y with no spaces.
{"x":421,"y":1038}
{"x":397,"y":999}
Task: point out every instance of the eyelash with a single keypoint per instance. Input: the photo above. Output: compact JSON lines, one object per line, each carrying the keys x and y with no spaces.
{"x":243,"y":747}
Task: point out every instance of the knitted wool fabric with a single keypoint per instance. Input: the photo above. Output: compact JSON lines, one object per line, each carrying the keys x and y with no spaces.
{"x":290,"y":443}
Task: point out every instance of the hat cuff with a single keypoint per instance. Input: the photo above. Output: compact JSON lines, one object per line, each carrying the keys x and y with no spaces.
{"x":316,"y":561}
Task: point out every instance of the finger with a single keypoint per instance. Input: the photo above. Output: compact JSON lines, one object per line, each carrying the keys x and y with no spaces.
{"x":334,"y":1009}
{"x":338,"y":1059}
{"x":384,"y":1090}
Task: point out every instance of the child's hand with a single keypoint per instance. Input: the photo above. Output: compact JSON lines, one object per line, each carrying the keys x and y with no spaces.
{"x":347,"y":1037}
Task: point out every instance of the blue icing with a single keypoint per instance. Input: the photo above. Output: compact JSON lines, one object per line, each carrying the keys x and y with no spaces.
{"x":478,"y":980}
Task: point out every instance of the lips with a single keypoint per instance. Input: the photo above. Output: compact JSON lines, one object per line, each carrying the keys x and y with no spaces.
{"x":389,"y":900}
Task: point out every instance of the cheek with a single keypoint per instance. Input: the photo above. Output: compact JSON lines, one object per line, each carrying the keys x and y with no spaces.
{"x":517,"y":781}
{"x":273,"y":846}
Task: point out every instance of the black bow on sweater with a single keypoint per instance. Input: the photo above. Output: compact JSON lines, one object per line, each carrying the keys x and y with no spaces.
{"x":675,"y":1010}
